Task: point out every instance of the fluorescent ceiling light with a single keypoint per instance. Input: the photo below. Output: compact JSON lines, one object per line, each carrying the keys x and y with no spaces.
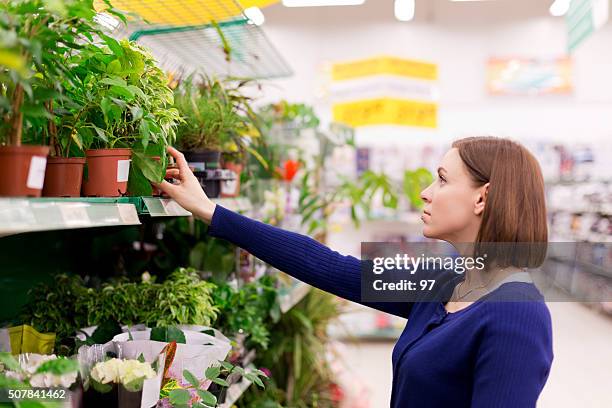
{"x":107,"y":21}
{"x":559,"y":8}
{"x":254,"y":15}
{"x":320,"y":3}
{"x":404,"y":10}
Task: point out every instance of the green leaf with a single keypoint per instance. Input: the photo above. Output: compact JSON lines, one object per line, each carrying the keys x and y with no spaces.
{"x":141,"y":358}
{"x":191,"y":378}
{"x":59,"y":366}
{"x":221,"y":382}
{"x":36,"y":111}
{"x":122,"y":91}
{"x":113,"y":44}
{"x":101,"y":133}
{"x":152,"y":169}
{"x":9,"y":361}
{"x":136,"y":113}
{"x":227,"y":365}
{"x":212,"y":372}
{"x":113,"y":67}
{"x":98,"y":386}
{"x":106,"y":331}
{"x":167,"y":334}
{"x":207,"y":397}
{"x":179,"y":396}
{"x":114,"y":81}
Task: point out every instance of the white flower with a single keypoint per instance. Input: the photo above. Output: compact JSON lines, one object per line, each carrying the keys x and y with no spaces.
{"x":106,"y":371}
{"x":135,"y":370}
{"x":121,"y":371}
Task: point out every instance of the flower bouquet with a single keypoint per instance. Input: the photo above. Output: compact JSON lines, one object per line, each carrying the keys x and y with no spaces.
{"x":122,"y":383}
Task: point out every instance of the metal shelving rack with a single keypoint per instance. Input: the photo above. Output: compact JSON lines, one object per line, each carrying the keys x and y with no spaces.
{"x":200,"y":36}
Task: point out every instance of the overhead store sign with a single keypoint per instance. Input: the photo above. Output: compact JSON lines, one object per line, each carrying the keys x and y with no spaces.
{"x":529,"y":76}
{"x":583,"y":18}
{"x":385,"y":91}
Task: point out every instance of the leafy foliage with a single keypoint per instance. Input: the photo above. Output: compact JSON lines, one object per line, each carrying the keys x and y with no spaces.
{"x":253,"y":309}
{"x":36,"y":38}
{"x":301,"y":376}
{"x":67,"y":305}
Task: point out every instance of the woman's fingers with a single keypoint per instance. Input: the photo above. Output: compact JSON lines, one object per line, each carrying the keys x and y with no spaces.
{"x":174,"y":173}
{"x":167,"y":188}
{"x":180,"y":160}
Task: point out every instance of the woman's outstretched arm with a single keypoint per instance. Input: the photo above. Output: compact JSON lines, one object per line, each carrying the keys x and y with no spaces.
{"x":297,"y":255}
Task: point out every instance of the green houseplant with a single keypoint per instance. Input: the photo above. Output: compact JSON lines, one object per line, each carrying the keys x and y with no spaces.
{"x":219,"y":123}
{"x":121,"y":109}
{"x":35,"y":37}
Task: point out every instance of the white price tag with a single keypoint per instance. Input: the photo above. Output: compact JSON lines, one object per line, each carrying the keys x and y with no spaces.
{"x":229,"y":187}
{"x":123,"y":170}
{"x":173,"y":208}
{"x":128,"y":213}
{"x":36,"y":173}
{"x":74,"y":214}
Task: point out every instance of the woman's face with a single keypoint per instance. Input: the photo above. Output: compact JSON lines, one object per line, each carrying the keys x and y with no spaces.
{"x":453,"y":203}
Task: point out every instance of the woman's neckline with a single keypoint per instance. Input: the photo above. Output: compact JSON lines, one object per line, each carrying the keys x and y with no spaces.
{"x":517,"y":277}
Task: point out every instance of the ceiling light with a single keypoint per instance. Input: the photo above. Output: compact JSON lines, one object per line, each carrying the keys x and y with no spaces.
{"x":254,"y":15}
{"x":404,"y":10}
{"x":559,"y":8}
{"x":320,"y":3}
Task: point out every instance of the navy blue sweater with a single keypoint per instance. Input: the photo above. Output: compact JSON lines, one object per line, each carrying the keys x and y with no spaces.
{"x":492,"y":354}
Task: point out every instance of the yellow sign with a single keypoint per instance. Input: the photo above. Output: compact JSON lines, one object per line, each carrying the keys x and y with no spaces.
{"x":185,"y":12}
{"x":387,"y":111}
{"x":385,"y":65}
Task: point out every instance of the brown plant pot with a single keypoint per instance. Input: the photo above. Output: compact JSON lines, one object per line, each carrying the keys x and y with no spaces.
{"x":107,"y":172}
{"x":64,"y":176}
{"x":231,"y":188}
{"x":22,"y":170}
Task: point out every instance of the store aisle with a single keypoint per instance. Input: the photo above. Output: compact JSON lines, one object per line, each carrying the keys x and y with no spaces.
{"x":580,"y":376}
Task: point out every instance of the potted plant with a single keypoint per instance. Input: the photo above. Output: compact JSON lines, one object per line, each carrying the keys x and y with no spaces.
{"x":122,"y":116}
{"x":35,"y":35}
{"x":218,"y":120}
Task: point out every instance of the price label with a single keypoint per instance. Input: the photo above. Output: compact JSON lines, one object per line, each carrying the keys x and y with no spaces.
{"x":36,"y":173}
{"x":75,"y":215}
{"x":123,"y":170}
{"x":128,"y":213}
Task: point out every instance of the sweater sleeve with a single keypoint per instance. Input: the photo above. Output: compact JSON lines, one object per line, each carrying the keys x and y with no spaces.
{"x":515,"y":356}
{"x":299,"y":256}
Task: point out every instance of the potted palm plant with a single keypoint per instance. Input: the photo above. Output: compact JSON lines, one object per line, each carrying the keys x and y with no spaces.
{"x":122,"y":116}
{"x":35,"y":36}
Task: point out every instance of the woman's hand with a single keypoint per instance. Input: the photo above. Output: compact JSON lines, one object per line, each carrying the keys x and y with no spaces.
{"x":187,"y":193}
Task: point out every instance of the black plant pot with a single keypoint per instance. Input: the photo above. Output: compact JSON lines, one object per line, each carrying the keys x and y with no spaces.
{"x":210,"y":180}
{"x":95,"y":399}
{"x":203,"y":159}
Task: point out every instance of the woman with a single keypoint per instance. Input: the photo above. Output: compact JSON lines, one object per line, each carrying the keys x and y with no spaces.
{"x":455,"y":353}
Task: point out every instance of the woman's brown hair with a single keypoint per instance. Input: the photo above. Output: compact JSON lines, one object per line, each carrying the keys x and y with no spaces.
{"x":514,"y":229}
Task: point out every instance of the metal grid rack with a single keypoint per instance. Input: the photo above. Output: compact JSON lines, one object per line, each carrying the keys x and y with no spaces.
{"x":203,"y":36}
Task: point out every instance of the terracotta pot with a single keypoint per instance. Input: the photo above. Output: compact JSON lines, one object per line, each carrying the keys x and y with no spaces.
{"x":64,"y":176}
{"x":22,"y":170}
{"x":231,"y":188}
{"x":107,"y":172}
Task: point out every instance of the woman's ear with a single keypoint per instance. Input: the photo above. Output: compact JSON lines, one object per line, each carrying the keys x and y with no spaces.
{"x":481,"y":199}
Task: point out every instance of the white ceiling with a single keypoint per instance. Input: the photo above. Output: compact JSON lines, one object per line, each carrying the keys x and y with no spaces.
{"x":442,"y":12}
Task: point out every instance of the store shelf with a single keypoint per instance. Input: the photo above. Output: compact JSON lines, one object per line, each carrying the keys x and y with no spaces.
{"x":26,"y":215}
{"x":207,"y":36}
{"x":19,"y":215}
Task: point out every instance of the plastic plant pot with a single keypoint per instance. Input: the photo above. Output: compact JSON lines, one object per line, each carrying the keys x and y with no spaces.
{"x":22,"y":170}
{"x":108,"y":171}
